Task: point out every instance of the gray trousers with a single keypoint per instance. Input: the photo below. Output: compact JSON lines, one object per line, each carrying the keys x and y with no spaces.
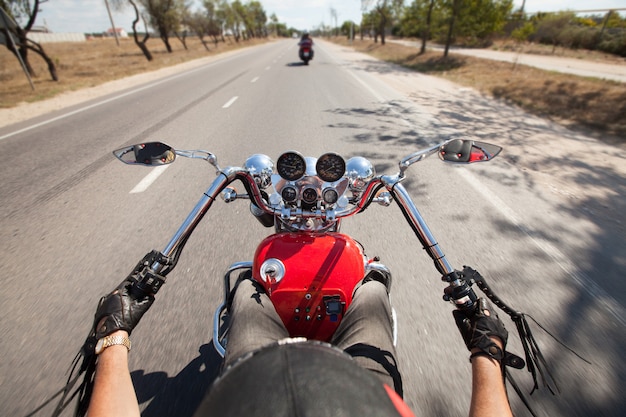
{"x":365,"y":332}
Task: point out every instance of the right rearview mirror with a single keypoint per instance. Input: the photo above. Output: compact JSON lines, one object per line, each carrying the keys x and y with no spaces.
{"x":468,"y":151}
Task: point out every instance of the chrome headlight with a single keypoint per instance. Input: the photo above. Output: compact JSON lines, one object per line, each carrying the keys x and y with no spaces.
{"x":360,"y":171}
{"x":261,"y":167}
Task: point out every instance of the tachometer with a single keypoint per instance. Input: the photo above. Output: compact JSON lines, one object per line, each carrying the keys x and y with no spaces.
{"x":291,"y":166}
{"x":330,"y":167}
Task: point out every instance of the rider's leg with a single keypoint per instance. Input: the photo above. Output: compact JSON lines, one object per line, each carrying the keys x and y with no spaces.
{"x":254,"y":322}
{"x":366,"y":333}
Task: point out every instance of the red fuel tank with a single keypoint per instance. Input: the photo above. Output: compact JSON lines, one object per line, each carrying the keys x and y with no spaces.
{"x":310,"y":279}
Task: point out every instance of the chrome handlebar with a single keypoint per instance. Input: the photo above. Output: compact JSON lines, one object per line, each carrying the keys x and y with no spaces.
{"x":390,"y":183}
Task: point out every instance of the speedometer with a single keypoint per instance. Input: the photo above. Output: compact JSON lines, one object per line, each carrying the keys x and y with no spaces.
{"x":330,"y":167}
{"x":291,"y":166}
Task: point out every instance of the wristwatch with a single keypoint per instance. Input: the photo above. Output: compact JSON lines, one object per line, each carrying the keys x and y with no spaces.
{"x":107,"y":341}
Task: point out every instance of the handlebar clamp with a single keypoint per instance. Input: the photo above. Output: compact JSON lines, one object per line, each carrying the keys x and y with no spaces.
{"x":147,"y":281}
{"x":460,"y":291}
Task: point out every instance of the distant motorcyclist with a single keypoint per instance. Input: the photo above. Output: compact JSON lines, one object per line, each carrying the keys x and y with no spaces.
{"x":306,"y":43}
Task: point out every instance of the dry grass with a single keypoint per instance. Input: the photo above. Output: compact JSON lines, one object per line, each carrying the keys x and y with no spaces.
{"x":597,"y":106}
{"x":87,"y":64}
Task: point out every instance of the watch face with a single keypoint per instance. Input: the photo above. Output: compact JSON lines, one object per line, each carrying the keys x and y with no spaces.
{"x":99,"y":346}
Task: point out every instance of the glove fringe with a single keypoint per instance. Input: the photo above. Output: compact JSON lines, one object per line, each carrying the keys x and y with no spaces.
{"x":536,"y":363}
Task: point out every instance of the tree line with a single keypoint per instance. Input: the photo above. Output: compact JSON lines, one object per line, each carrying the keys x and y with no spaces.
{"x":167,"y":19}
{"x":215,"y":20}
{"x":476,"y":23}
{"x":448,"y":22}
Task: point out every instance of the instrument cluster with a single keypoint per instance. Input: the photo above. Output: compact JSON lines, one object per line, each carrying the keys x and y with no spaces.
{"x":310,"y":183}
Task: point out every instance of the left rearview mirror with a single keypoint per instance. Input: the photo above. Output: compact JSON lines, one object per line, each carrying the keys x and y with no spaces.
{"x":149,"y":153}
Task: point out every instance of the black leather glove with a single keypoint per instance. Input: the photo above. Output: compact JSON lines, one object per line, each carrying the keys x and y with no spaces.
{"x":120,"y":310}
{"x":478,"y":326}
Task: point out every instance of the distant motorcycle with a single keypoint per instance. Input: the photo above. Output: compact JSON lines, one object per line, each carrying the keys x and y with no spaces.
{"x":306,"y":51}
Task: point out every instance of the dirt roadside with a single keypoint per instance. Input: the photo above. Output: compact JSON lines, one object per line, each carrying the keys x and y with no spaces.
{"x":605,"y":66}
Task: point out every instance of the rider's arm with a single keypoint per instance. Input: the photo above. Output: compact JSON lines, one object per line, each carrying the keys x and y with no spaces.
{"x":113,"y":393}
{"x":118,"y":313}
{"x":488,"y":392}
{"x":484,"y":334}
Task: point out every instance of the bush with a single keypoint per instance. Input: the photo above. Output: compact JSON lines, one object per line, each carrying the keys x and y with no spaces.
{"x":523,"y":33}
{"x":613,"y":45}
{"x":579,"y":37}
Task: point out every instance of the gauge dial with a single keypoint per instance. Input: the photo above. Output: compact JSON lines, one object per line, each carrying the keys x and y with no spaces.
{"x":291,"y":166}
{"x":309,"y":195}
{"x":330,"y":195}
{"x":330,"y":167}
{"x":289,"y":194}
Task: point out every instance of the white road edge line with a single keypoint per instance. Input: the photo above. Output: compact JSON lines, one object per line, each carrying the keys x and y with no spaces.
{"x":367,"y":86}
{"x":255,"y":79}
{"x":230,"y":102}
{"x":149,"y":179}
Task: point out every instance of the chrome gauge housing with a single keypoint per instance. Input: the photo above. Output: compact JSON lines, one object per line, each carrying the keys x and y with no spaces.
{"x":307,"y":193}
{"x":261,"y":168}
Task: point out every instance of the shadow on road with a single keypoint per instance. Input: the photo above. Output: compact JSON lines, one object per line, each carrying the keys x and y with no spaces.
{"x":543,"y":159}
{"x":179,"y":395}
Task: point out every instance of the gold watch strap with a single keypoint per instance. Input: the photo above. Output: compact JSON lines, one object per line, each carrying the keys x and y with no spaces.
{"x":112,"y":341}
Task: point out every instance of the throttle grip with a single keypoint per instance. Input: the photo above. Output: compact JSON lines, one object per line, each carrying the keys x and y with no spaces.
{"x":475,"y":277}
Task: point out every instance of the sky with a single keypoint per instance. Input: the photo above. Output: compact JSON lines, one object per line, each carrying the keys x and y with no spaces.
{"x":90,"y":16}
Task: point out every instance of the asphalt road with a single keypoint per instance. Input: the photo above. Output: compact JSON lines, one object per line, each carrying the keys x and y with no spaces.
{"x":71,"y":229}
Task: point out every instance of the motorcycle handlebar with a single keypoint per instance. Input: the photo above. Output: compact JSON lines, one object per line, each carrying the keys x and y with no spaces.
{"x":391,"y":183}
{"x":458,"y":290}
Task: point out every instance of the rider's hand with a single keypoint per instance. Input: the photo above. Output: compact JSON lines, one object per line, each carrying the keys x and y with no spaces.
{"x":120,"y":310}
{"x":478,"y":328}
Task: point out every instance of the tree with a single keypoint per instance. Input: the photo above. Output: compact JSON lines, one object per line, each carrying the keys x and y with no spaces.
{"x":141,"y":44}
{"x":165,"y":16}
{"x":479,"y":20}
{"x":382,"y":14}
{"x":252,"y":17}
{"x":348,"y":28}
{"x":231,"y":20}
{"x":426,"y":31}
{"x":455,"y":6}
{"x":215,"y":21}
{"x":19,"y":11}
{"x":475,"y":21}
{"x":199,"y":24}
{"x":274,"y":24}
{"x":417,"y":19}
